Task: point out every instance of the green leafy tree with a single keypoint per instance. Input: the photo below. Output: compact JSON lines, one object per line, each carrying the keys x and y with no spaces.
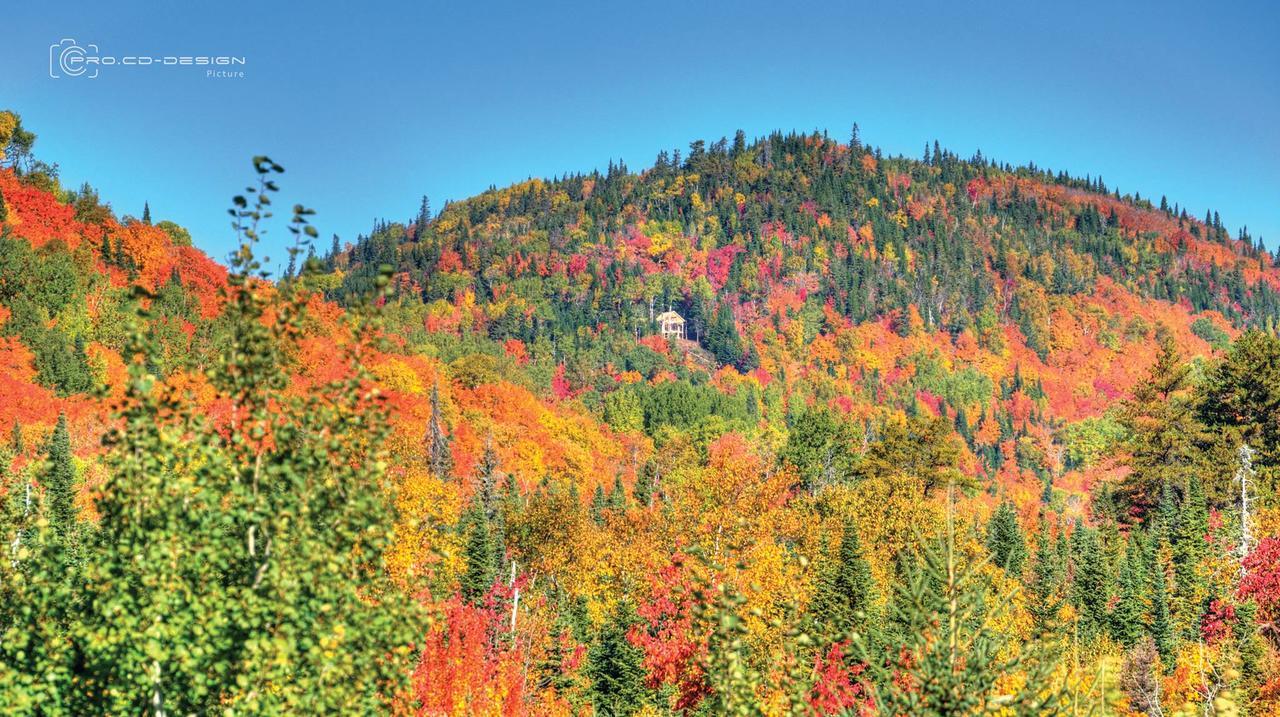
{"x":820,"y":447}
{"x":238,"y":566}
{"x":922,"y":447}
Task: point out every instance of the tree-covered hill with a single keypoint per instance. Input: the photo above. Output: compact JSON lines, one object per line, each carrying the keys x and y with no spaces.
{"x":944,"y":437}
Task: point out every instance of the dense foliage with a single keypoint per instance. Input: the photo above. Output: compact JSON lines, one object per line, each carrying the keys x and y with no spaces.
{"x":943,"y":437}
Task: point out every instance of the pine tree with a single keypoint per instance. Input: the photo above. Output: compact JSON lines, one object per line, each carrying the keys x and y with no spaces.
{"x":598,"y":505}
{"x":618,"y":496}
{"x":146,"y":213}
{"x":616,"y":667}
{"x":487,"y":492}
{"x":58,"y":481}
{"x":1242,"y":394}
{"x":1004,"y":539}
{"x":646,"y":484}
{"x":959,"y":665}
{"x":1090,"y":588}
{"x":1046,"y":582}
{"x":1190,"y":548}
{"x":1127,"y":618}
{"x":1160,"y":624}
{"x":482,"y":569}
{"x":844,"y":599}
{"x":723,"y":339}
{"x":424,"y":218}
{"x":1164,"y":433}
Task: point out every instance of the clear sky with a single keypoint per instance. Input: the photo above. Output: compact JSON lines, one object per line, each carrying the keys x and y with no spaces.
{"x":371,"y":105}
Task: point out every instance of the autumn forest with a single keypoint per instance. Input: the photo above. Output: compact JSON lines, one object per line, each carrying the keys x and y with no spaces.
{"x":778,"y":425}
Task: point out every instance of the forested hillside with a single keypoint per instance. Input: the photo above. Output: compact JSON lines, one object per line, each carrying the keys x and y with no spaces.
{"x":943,"y":436}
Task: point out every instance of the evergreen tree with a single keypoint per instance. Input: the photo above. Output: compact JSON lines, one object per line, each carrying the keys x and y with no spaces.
{"x":487,"y":492}
{"x":1090,"y":588}
{"x":1046,"y":582}
{"x":481,"y":570}
{"x":424,"y":218}
{"x":616,"y":667}
{"x":618,"y":496}
{"x":1160,"y":624}
{"x":598,"y":505}
{"x":146,"y":213}
{"x":1163,"y":433}
{"x":1190,"y":548}
{"x":58,"y":481}
{"x":1128,"y":616}
{"x":1242,"y":393}
{"x":1004,"y":539}
{"x":723,"y":340}
{"x":844,"y":598}
{"x":959,"y":664}
{"x":646,"y":484}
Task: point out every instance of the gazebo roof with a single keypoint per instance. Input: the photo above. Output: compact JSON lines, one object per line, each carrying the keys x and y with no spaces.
{"x":668,"y":316}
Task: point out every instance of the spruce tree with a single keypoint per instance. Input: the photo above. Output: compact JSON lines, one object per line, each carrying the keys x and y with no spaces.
{"x":1089,"y":584}
{"x":424,"y":217}
{"x":487,"y":491}
{"x":616,"y":667}
{"x":618,"y":496}
{"x":1127,"y":618}
{"x":844,"y":599}
{"x":481,"y":570}
{"x":598,"y":505}
{"x":1160,"y":622}
{"x":959,"y":664}
{"x":58,"y":481}
{"x":1046,"y":582}
{"x":1163,"y":433}
{"x":1190,"y":548}
{"x":1004,"y":539}
{"x":1242,"y":393}
{"x":646,"y":484}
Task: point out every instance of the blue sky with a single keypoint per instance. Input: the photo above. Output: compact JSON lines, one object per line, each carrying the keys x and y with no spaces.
{"x":371,"y":105}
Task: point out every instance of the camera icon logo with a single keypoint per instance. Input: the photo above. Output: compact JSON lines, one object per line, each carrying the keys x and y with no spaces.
{"x":67,"y":58}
